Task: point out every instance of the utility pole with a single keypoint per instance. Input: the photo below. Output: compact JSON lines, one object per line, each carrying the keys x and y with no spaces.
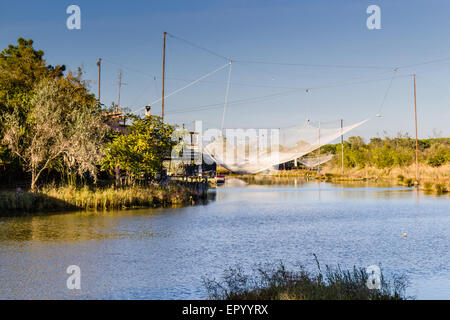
{"x":417,"y":143}
{"x":163,"y":73}
{"x":120,"y":86}
{"x":99,"y":64}
{"x":342,"y":144}
{"x":318,"y":166}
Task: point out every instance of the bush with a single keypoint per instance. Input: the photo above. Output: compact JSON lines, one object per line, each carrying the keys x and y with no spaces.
{"x":438,"y":159}
{"x":390,"y":152}
{"x":274,"y":282}
{"x":428,"y":186}
{"x":440,"y":188}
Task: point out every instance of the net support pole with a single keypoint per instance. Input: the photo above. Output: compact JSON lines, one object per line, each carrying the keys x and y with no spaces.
{"x":99,"y":64}
{"x":417,"y":143}
{"x":163,"y":77}
{"x":226,"y":97}
{"x":342,"y":144}
{"x":318,"y":166}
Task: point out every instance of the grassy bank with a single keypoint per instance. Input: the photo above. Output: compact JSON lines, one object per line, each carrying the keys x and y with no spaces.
{"x":277,"y":283}
{"x":71,"y":198}
{"x":431,"y":179}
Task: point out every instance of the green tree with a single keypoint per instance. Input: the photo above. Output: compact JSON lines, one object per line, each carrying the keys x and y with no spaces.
{"x":383,"y":157}
{"x":356,"y":152}
{"x":439,"y":158}
{"x":22,"y":67}
{"x":142,"y":150}
{"x":63,"y":125}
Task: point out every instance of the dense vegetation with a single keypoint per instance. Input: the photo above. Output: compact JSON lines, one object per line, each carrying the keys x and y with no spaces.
{"x":275,"y":282}
{"x":141,"y":152}
{"x":53,"y":130}
{"x":390,"y":152}
{"x":52,"y":198}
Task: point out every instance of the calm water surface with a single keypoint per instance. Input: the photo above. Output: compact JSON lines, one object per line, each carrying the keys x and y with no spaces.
{"x":164,"y":253}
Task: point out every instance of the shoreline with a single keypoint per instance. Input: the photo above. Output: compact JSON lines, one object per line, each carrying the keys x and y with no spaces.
{"x":432,"y":180}
{"x":72,"y":199}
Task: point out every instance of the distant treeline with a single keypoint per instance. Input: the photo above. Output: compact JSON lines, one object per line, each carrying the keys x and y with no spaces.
{"x":390,"y":152}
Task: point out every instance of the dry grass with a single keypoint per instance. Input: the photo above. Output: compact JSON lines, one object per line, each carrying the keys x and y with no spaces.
{"x":274,"y":282}
{"x":430,"y":178}
{"x":71,"y":198}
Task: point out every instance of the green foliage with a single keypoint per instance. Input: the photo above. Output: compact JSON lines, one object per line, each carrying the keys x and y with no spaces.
{"x":390,"y":152}
{"x":383,"y":157}
{"x":63,"y":126}
{"x":142,"y":149}
{"x":355,"y":153}
{"x":329,"y":148}
{"x":22,"y":67}
{"x":441,"y":157}
{"x":51,"y":124}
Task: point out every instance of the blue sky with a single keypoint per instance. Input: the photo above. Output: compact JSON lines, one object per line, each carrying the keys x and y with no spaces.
{"x":128,"y":35}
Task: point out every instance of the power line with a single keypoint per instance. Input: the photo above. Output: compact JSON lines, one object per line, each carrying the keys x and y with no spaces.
{"x":387,"y":91}
{"x":266,"y":97}
{"x":275,"y":63}
{"x":126,"y":67}
{"x":199,"y":47}
{"x":313,"y":65}
{"x":190,"y":84}
{"x":424,"y":63}
{"x":291,"y":89}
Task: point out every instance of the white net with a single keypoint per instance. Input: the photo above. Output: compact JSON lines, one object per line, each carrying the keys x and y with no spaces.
{"x":312,"y":162}
{"x":252,"y":151}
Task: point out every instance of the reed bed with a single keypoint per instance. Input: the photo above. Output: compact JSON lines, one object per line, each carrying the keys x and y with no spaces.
{"x":52,"y":198}
{"x":431,"y":179}
{"x":274,"y":282}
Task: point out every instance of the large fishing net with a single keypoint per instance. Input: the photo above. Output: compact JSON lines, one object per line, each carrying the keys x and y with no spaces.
{"x":254,"y":150}
{"x":315,"y":161}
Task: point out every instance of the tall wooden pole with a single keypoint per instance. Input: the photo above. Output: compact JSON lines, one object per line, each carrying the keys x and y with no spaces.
{"x":318,"y":166}
{"x":417,"y":143}
{"x":163,"y":73}
{"x":342,"y":144}
{"x":99,"y":64}
{"x":120,"y":85}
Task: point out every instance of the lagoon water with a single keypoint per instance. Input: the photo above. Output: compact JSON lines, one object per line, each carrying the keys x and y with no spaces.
{"x":165,"y":253}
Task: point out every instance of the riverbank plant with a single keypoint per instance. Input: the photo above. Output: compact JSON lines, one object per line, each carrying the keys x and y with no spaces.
{"x":52,"y":198}
{"x":275,"y":282}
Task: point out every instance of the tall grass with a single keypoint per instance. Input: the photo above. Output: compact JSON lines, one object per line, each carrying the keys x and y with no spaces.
{"x":274,"y":282}
{"x":53,"y":198}
{"x":433,"y":179}
{"x":24,"y":202}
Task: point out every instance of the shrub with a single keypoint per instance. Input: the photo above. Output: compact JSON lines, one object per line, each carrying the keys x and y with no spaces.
{"x":274,"y":282}
{"x":438,"y":159}
{"x":440,"y":188}
{"x":428,"y":186}
{"x":409,"y":182}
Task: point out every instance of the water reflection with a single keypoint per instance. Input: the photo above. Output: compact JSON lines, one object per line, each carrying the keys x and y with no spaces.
{"x":164,"y":253}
